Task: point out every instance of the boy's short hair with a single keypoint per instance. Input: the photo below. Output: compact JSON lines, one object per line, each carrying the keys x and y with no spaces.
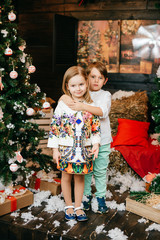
{"x":100,"y":66}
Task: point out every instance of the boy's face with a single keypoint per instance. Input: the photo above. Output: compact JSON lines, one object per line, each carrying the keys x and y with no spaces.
{"x":96,"y":80}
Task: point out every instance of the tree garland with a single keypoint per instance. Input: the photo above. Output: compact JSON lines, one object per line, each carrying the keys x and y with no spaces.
{"x":143,"y":196}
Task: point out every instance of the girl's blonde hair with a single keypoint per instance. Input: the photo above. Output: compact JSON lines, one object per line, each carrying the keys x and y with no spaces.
{"x":71,"y":72}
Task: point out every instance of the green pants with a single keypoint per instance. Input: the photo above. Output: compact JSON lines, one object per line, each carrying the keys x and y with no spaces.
{"x":100,"y":172}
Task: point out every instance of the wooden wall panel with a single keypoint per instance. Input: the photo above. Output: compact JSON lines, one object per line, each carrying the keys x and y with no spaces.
{"x":37,"y":29}
{"x":40,"y":6}
{"x":107,"y":6}
{"x":35,"y":20}
{"x":116,"y":15}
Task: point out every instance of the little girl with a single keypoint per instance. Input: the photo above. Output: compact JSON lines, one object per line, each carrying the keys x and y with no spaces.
{"x":74,"y":137}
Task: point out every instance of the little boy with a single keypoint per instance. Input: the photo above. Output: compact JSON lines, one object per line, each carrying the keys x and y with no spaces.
{"x":97,"y":78}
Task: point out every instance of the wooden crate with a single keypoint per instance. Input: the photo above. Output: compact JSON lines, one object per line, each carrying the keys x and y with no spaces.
{"x":143,"y":210}
{"x":44,"y":123}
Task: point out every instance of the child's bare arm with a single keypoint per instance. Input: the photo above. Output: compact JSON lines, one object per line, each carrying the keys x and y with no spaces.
{"x":79,"y":106}
{"x":92,"y":109}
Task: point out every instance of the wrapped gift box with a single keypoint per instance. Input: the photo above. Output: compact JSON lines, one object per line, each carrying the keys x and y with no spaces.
{"x":17,"y":201}
{"x":44,"y":185}
{"x":143,"y":210}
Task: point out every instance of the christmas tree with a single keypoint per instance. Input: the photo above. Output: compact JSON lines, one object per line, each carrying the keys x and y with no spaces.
{"x":19,"y":136}
{"x":155,"y":101}
{"x":89,"y":44}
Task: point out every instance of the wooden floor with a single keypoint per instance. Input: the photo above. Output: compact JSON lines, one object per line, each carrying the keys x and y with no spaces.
{"x":14,"y":228}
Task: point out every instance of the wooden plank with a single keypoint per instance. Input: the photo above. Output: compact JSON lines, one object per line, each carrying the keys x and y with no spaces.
{"x":47,"y":151}
{"x":116,"y":15}
{"x":152,"y":235}
{"x":27,"y":6}
{"x":43,"y":226}
{"x":46,"y":128}
{"x":36,"y":28}
{"x":54,"y":6}
{"x":152,"y":4}
{"x":44,"y":141}
{"x":131,"y":78}
{"x":134,"y":229}
{"x":48,"y":224}
{"x":88,"y":230}
{"x":39,"y":61}
{"x":4,"y":228}
{"x":42,"y":121}
{"x":107,"y":5}
{"x":143,"y":210}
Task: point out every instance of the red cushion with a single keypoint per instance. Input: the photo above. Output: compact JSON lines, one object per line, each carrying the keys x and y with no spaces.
{"x":131,"y":132}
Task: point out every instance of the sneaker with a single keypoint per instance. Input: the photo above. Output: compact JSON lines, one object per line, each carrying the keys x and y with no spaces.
{"x":102,"y":208}
{"x":87,"y":202}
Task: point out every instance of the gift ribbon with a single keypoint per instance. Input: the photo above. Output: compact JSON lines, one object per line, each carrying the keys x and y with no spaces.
{"x":13,"y":199}
{"x":37,"y":183}
{"x":13,"y":203}
{"x":18,"y":190}
{"x":57,"y":180}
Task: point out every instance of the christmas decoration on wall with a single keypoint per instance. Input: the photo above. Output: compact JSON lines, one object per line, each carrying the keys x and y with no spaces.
{"x":19,"y":136}
{"x":147,"y":47}
{"x":88,"y":51}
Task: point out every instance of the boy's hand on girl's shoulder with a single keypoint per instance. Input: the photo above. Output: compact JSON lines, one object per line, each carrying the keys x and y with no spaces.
{"x":76,"y":106}
{"x":56,"y":155}
{"x":95,"y":150}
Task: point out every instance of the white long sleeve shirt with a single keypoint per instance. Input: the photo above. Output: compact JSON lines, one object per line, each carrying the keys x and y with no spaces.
{"x":102,"y":99}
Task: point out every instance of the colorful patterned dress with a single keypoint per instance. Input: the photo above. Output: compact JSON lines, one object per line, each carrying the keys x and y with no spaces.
{"x":73,"y":132}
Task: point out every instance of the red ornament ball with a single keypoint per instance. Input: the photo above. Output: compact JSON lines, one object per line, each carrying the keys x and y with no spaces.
{"x":12,"y":16}
{"x":13,"y":74}
{"x":30,"y":111}
{"x":13,"y":167}
{"x":8,"y":51}
{"x":31,"y":69}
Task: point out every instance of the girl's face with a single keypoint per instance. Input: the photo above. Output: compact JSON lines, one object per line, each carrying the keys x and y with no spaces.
{"x":77,"y":87}
{"x":96,"y":80}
